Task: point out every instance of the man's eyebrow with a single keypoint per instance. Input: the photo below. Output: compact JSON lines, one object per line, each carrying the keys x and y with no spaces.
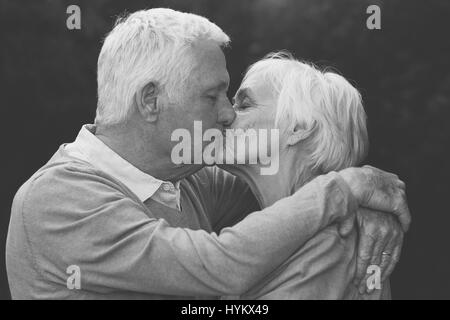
{"x":222,"y":85}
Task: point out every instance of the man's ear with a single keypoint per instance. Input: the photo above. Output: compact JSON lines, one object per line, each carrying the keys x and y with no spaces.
{"x":147,"y":102}
{"x":298,"y":134}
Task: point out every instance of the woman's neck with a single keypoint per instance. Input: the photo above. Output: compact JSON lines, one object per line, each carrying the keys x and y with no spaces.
{"x":292,"y":174}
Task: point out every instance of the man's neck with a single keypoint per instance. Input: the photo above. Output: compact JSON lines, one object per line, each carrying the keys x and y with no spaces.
{"x":144,"y":155}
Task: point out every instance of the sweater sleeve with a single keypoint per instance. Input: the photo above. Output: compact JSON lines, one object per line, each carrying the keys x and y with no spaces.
{"x":77,"y":217}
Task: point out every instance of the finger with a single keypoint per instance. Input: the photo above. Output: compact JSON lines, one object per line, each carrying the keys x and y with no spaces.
{"x":390,"y":196}
{"x":346,"y":226}
{"x":395,"y":202}
{"x":382,"y":172}
{"x":376,"y":256}
{"x":371,"y":167}
{"x":401,"y":185}
{"x":386,"y":259}
{"x":386,"y":272}
{"x":365,"y":246}
{"x":402,"y":211}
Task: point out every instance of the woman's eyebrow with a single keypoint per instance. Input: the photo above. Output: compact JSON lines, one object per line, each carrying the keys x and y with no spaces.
{"x":241,"y":94}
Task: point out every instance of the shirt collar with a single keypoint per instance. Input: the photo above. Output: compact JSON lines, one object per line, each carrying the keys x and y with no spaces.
{"x":91,"y":149}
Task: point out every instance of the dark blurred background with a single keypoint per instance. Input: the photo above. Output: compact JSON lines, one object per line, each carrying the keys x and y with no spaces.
{"x":48,"y":90}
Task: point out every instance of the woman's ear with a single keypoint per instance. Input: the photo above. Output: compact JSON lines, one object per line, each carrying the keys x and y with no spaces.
{"x":147,"y":102}
{"x":298,"y":134}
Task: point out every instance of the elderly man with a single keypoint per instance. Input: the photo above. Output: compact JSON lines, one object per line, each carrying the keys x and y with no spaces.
{"x":111,"y":216}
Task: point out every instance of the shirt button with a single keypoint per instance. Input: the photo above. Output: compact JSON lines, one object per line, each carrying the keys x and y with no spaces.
{"x":166,"y":187}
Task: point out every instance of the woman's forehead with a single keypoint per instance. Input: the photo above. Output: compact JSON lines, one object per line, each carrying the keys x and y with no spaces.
{"x":257,"y":88}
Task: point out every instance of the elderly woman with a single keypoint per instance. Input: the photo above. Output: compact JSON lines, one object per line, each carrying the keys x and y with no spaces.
{"x":322,"y":127}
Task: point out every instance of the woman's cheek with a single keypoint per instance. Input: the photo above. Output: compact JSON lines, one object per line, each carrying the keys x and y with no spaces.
{"x":240,"y":121}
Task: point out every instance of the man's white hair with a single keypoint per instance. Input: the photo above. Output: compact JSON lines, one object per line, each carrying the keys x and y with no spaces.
{"x":148,"y":46}
{"x":324,"y":105}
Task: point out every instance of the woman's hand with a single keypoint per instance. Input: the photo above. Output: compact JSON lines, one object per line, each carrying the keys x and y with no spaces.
{"x":383,"y":218}
{"x":380,"y":243}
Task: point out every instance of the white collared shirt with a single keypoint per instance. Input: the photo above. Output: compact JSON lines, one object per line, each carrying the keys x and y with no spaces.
{"x":89,"y":148}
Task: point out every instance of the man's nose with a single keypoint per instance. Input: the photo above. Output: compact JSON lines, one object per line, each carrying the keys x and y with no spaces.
{"x":226,"y":114}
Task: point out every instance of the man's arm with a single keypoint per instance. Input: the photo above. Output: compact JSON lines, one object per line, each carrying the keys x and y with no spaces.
{"x":119,"y":247}
{"x":380,"y":232}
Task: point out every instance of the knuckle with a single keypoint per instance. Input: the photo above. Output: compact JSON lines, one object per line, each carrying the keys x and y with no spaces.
{"x":384,"y":230}
{"x":370,"y":239}
{"x":368,"y":171}
{"x":364,"y":258}
{"x":397,"y":205}
{"x":370,"y":227}
{"x":395,"y":232}
{"x":402,"y":197}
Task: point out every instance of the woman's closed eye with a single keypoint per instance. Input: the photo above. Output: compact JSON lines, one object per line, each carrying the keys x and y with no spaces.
{"x":242,"y":105}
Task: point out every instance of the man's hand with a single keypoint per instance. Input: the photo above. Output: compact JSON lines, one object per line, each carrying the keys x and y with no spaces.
{"x":380,"y":243}
{"x":379,"y":190}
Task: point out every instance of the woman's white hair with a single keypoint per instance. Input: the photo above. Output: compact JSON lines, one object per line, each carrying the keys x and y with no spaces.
{"x":148,"y":46}
{"x":324,"y":105}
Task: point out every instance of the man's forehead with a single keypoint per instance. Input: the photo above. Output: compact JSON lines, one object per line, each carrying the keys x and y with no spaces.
{"x":214,"y":79}
{"x":210,"y":66}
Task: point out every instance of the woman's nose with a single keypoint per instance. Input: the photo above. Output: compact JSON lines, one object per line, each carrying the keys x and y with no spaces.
{"x":226,"y":115}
